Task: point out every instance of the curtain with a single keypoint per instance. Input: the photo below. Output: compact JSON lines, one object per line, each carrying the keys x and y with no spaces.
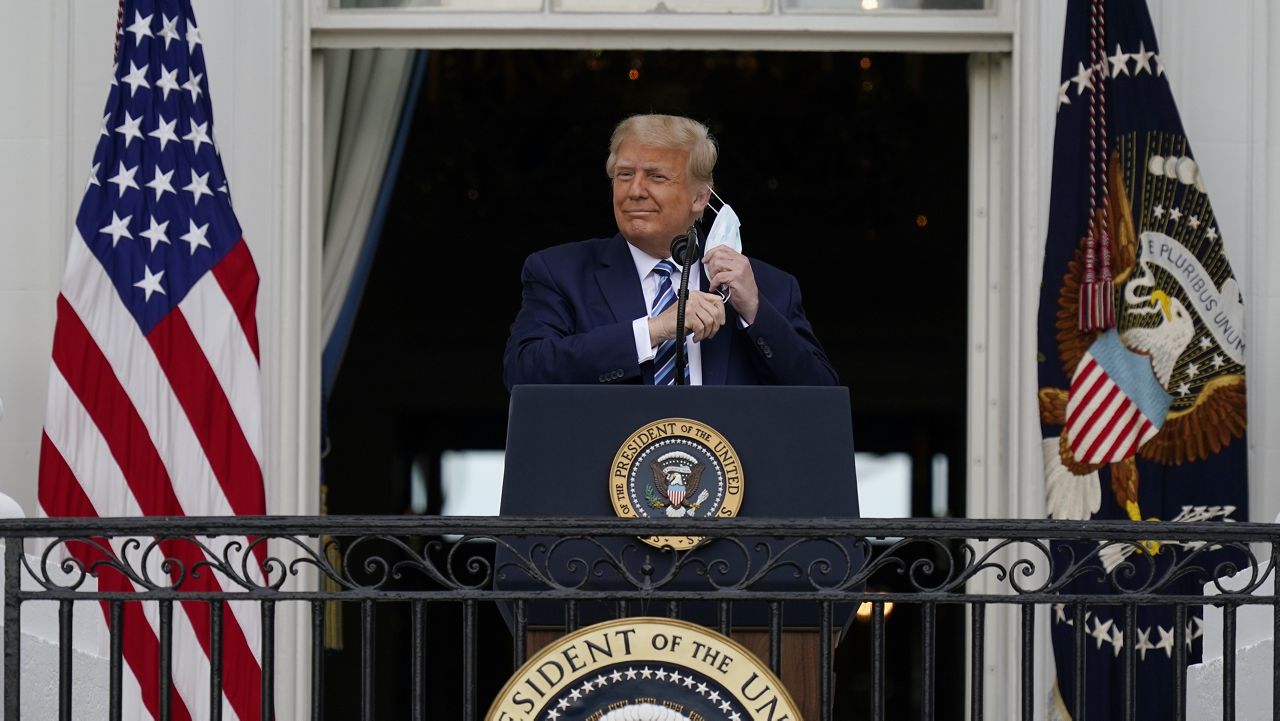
{"x":369,"y":101}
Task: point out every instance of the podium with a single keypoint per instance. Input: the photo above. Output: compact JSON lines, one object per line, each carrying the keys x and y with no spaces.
{"x":794,"y":450}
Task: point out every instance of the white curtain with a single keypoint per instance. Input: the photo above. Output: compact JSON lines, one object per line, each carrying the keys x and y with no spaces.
{"x":364,"y":95}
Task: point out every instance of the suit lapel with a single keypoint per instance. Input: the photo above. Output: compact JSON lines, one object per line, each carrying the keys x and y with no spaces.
{"x":618,"y":281}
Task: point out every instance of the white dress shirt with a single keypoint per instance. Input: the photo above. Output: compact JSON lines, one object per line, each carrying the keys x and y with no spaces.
{"x":649,"y":281}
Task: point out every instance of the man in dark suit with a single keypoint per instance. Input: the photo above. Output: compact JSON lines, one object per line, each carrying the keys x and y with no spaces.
{"x":593,"y":312}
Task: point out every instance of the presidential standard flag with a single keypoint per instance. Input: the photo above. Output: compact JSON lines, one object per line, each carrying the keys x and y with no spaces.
{"x":154,"y":404}
{"x":1141,"y":368}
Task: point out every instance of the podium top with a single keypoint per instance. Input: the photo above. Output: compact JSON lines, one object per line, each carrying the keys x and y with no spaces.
{"x":795,"y":444}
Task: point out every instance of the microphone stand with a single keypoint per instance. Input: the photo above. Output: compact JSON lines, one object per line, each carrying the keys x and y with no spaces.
{"x":683,"y":248}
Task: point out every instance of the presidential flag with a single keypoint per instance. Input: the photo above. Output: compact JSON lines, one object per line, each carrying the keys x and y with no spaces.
{"x":154,"y":403}
{"x":1141,"y":367}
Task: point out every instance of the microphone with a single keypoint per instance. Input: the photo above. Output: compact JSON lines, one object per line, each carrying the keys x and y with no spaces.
{"x":683,"y":248}
{"x":681,"y":244}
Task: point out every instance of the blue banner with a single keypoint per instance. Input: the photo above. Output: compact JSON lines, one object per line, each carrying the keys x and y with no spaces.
{"x":1144,"y":420}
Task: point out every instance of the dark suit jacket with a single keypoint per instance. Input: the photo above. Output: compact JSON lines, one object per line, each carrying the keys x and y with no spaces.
{"x":579,"y":301}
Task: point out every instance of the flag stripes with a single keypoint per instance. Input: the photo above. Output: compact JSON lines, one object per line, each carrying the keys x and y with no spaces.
{"x":1103,"y":424}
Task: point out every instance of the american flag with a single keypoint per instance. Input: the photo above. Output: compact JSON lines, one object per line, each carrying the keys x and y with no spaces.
{"x":154,"y":403}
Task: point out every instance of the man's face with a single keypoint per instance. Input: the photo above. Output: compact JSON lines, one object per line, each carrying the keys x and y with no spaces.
{"x":653,"y":200}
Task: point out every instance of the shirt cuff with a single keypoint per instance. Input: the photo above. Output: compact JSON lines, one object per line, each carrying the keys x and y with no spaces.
{"x":640,"y":329}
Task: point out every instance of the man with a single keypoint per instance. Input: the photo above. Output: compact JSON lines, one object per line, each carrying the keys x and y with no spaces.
{"x":593,"y":311}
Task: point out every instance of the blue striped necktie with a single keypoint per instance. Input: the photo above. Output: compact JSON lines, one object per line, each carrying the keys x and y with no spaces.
{"x":664,"y":361}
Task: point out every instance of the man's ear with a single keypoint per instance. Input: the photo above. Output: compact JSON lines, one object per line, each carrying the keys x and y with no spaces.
{"x":701,"y":199}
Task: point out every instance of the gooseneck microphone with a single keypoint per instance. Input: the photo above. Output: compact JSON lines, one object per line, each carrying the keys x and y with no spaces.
{"x":683,"y":248}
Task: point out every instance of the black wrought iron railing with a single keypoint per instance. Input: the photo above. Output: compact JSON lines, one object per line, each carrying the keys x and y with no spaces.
{"x":902,"y":609}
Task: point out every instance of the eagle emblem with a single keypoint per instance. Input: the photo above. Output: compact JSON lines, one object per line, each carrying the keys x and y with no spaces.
{"x":676,"y":476}
{"x":1167,"y":384}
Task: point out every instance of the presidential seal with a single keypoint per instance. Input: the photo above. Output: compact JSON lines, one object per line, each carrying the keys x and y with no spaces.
{"x":643,"y":669}
{"x":675,"y":468}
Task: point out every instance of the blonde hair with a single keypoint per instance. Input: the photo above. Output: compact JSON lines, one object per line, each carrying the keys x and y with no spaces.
{"x":669,"y":131}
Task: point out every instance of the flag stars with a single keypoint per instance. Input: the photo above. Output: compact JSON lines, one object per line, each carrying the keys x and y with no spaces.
{"x":1158,"y":211}
{"x":150,"y":282}
{"x":119,"y":228}
{"x":162,"y":183}
{"x":1194,"y":221}
{"x":1083,"y":78}
{"x":1159,"y":65}
{"x":1193,"y":370}
{"x":193,"y":86}
{"x":93,"y":176}
{"x":198,"y":186}
{"x":141,"y":27}
{"x":1119,"y":62}
{"x":1183,"y":390}
{"x":1166,"y":641}
{"x":193,"y":37}
{"x":1211,"y":233}
{"x":1218,"y":361}
{"x":1144,"y":643}
{"x":1101,"y":632}
{"x":129,"y":128}
{"x":1205,"y":343}
{"x":1117,"y":640}
{"x":137,"y":78}
{"x":124,"y":178}
{"x":156,"y":233}
{"x":168,"y":80}
{"x":106,"y":120}
{"x":169,"y":30}
{"x":195,"y":236}
{"x":1175,"y":214}
{"x":1062,"y":94}
{"x":164,"y":131}
{"x":199,"y":134}
{"x":1142,"y":59}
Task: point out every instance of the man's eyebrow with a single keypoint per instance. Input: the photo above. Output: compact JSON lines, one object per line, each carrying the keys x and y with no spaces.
{"x":658,"y":169}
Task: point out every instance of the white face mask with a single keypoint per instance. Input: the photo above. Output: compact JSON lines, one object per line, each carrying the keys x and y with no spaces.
{"x":726,"y":228}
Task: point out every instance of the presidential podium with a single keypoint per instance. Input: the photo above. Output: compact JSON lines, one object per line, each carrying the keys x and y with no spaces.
{"x":577,"y":450}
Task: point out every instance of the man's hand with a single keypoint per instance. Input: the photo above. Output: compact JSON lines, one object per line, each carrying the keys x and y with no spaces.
{"x":726,"y":266}
{"x":703,"y":316}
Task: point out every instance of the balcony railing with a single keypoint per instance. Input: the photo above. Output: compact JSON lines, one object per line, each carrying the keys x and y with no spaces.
{"x":947,"y":577}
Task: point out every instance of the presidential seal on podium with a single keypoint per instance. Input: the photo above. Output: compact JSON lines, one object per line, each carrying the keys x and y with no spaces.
{"x":675,"y":468}
{"x":643,"y":669}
